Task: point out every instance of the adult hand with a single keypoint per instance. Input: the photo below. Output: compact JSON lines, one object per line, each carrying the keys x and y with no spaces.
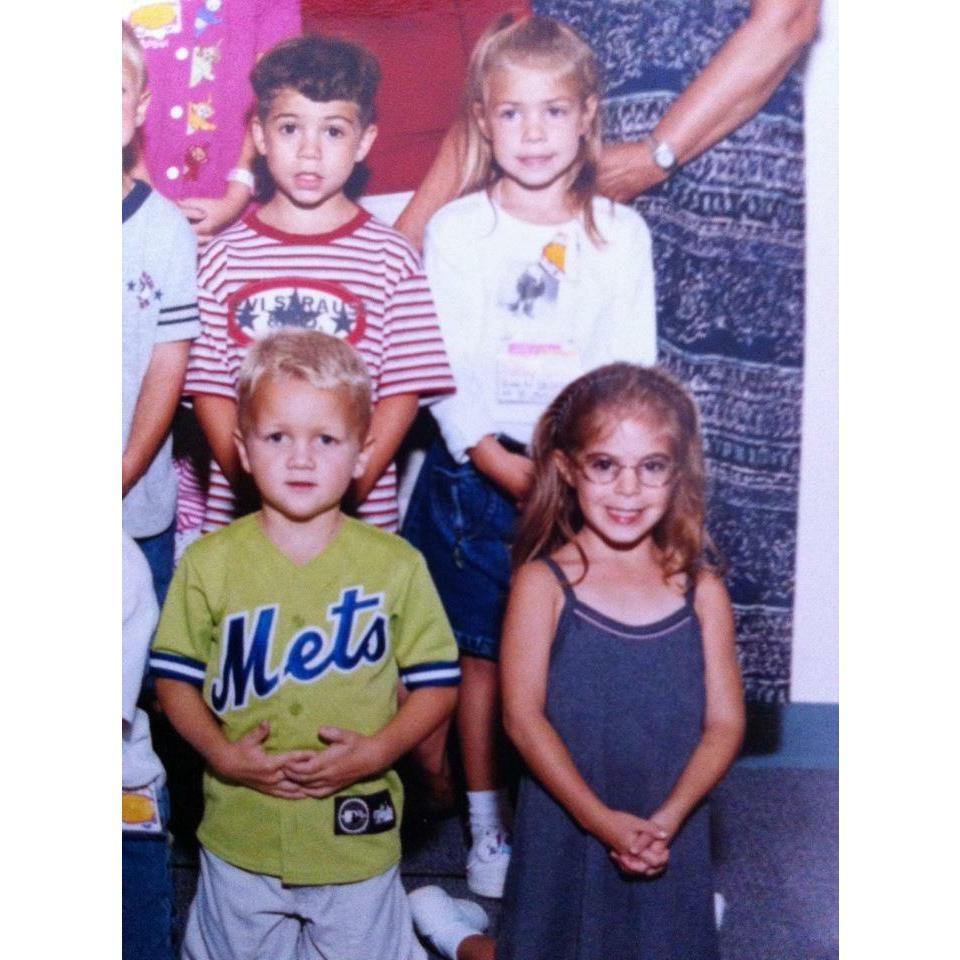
{"x":627,"y":170}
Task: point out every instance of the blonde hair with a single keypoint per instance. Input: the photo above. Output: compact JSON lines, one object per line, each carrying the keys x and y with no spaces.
{"x":551,"y":516}
{"x":541,"y":43}
{"x":324,"y":362}
{"x":133,"y":54}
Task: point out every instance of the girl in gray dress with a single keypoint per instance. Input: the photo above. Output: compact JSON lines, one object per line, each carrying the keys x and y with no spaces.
{"x":620,"y":688}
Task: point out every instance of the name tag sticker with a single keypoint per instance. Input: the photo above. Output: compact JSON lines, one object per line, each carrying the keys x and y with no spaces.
{"x":535,"y":372}
{"x":141,"y":813}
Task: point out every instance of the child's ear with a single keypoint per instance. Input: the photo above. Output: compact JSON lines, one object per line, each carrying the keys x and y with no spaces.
{"x":564,"y":466}
{"x":480,"y":115}
{"x":363,"y":458}
{"x":366,"y":141}
{"x":242,"y":450}
{"x":590,"y":106}
{"x":142,"y":103}
{"x":256,"y":128}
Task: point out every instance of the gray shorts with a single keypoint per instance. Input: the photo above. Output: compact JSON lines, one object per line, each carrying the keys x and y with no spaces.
{"x":238,"y":915}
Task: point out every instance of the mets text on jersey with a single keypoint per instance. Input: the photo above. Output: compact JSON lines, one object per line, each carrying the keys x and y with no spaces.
{"x":248,"y":644}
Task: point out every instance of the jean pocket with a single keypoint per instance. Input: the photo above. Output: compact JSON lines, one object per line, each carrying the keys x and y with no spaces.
{"x":467,"y":506}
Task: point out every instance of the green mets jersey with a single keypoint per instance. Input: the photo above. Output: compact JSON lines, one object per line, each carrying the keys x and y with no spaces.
{"x":303,"y":647}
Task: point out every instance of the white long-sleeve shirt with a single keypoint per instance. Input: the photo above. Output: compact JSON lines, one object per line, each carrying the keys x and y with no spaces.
{"x":525,"y":308}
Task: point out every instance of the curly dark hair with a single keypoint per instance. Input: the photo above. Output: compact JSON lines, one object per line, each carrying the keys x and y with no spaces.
{"x":321,"y":69}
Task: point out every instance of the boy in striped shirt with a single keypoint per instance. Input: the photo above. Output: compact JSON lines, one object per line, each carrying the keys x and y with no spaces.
{"x":310,"y":258}
{"x":278,"y":656}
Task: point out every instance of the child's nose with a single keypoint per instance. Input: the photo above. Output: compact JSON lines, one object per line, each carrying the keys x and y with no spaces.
{"x":301,"y":454}
{"x":627,"y":481}
{"x":532,"y":127}
{"x":310,"y":146}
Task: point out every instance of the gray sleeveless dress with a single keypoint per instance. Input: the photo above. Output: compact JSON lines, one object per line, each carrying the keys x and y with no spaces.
{"x":628,"y":702}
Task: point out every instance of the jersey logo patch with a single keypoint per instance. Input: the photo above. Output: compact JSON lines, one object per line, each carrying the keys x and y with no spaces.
{"x":355,"y":816}
{"x":266,"y":306}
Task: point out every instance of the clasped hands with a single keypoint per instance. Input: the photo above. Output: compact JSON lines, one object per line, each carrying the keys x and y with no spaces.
{"x":297,"y":774}
{"x":637,"y":846}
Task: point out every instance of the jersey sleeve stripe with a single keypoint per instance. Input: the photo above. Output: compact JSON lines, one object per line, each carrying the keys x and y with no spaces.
{"x":438,"y":674}
{"x":177,"y":668}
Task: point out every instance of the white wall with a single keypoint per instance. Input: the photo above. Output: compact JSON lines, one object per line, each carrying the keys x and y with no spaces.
{"x":815,"y":668}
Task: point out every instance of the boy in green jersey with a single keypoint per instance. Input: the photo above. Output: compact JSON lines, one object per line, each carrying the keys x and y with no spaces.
{"x":278,"y":657}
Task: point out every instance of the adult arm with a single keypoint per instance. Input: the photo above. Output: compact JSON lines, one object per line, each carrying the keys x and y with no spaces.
{"x":392,"y":417}
{"x":156,"y":405}
{"x":724,"y":716}
{"x":439,"y":186}
{"x":210,"y":215}
{"x":732,"y":87}
{"x":532,"y":614}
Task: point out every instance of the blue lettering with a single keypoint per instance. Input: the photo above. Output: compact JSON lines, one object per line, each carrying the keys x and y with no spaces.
{"x":239,"y":663}
{"x":373,"y":645}
{"x":343,"y":617}
{"x":303,"y":661}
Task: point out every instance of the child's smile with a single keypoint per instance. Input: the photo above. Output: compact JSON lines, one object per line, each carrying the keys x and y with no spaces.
{"x":614,"y":479}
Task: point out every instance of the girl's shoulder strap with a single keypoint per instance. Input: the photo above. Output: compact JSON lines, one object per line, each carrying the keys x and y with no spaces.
{"x":557,"y":571}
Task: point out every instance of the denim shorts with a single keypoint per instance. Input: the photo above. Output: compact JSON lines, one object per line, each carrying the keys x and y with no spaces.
{"x":147,"y":890}
{"x":463,"y":524}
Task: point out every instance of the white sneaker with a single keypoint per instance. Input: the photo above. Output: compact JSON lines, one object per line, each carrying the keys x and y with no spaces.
{"x":487,"y":864}
{"x":445,"y":921}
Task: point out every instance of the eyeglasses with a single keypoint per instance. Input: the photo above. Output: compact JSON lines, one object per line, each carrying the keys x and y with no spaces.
{"x":655,"y":471}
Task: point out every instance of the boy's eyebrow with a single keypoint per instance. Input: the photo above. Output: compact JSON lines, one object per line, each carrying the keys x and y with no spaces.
{"x":292,"y":114}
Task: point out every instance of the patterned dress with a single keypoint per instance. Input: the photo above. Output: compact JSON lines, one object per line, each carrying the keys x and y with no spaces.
{"x":728,"y":245}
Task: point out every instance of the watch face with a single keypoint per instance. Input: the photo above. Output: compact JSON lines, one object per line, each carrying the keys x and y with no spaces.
{"x":664,"y":157}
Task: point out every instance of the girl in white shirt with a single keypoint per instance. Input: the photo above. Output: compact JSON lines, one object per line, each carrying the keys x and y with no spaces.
{"x":536,"y":280}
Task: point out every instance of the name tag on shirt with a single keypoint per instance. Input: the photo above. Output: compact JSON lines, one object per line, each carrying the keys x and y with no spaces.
{"x":535,"y":372}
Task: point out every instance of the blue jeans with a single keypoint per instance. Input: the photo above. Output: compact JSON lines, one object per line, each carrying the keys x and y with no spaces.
{"x":463,"y":524}
{"x":158,"y":550}
{"x":147,"y":886}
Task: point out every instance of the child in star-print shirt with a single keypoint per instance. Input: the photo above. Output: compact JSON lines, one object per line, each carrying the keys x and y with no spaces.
{"x":159,"y":320}
{"x":196,"y":147}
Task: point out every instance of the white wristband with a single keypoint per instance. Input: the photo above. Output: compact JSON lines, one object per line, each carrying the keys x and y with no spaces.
{"x":239,"y":175}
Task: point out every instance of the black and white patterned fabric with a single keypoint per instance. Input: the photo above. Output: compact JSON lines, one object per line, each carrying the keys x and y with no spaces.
{"x":728,"y":237}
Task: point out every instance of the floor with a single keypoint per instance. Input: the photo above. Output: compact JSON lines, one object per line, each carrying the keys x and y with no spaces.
{"x":775,"y":861}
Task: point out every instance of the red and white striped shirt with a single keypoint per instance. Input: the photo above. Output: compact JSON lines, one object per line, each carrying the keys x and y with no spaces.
{"x":362,"y":282}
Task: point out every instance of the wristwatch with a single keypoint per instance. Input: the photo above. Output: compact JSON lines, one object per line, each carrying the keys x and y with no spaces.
{"x":663,"y":155}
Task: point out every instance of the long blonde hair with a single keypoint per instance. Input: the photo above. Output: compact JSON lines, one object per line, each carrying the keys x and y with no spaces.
{"x":538,"y":42}
{"x":551,"y":516}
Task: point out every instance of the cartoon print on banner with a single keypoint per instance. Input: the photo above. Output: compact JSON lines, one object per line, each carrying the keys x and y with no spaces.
{"x":202,"y":64}
{"x":199,"y":114}
{"x":154,"y":22}
{"x":207,"y":16}
{"x":195,"y":157}
{"x":257,"y":309}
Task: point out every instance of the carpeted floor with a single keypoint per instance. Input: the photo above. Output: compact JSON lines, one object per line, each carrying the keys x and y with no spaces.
{"x":775,"y":857}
